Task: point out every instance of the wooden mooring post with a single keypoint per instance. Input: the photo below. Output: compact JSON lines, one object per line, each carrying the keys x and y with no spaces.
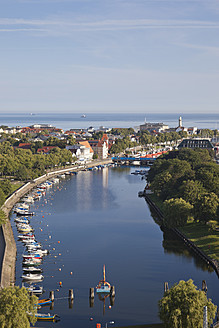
{"x":71,"y":294}
{"x":91,"y":297}
{"x":112,"y":291}
{"x":166,"y":287}
{"x":91,"y":292}
{"x":52,"y":295}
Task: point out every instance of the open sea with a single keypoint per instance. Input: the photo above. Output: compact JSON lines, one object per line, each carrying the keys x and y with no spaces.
{"x":67,"y":121}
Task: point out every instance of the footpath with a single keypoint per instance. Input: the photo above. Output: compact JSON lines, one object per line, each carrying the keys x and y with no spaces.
{"x":7,"y":277}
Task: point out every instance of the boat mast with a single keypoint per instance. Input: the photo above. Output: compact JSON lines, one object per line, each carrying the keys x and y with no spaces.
{"x":104,"y":274}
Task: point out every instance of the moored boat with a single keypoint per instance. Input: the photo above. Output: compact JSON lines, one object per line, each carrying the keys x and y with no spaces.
{"x":103,"y":286}
{"x":30,"y":276}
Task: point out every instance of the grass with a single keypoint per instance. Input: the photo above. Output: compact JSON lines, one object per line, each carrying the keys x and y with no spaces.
{"x":204,"y":237}
{"x":15,"y":186}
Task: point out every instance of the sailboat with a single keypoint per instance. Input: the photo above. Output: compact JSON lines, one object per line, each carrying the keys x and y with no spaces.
{"x":103,"y":286}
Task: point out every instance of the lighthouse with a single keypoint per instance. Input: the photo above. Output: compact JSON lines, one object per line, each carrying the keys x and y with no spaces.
{"x":180,"y":121}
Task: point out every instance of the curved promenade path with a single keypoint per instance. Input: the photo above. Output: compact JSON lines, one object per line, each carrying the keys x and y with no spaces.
{"x":7,"y":242}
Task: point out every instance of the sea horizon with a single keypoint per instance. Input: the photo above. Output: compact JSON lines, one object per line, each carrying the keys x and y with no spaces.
{"x":84,"y":120}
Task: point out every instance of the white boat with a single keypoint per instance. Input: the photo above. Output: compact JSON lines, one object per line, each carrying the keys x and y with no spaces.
{"x":32,"y":262}
{"x":35,"y":289}
{"x":32,"y":270}
{"x":28,"y":199}
{"x":30,"y":276}
{"x":21,"y":220}
{"x":40,"y":252}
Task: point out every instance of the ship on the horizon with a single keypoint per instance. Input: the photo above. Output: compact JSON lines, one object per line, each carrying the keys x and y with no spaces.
{"x":83,"y":115}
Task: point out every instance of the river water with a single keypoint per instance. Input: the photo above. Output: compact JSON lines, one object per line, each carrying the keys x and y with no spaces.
{"x":96,"y":218}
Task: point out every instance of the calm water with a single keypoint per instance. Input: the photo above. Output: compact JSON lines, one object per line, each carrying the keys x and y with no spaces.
{"x":98,"y":219}
{"x":74,"y":120}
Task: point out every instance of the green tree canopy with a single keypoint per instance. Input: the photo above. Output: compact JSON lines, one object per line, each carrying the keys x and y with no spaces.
{"x":15,"y":304}
{"x":176,"y":212}
{"x":182,"y":306}
{"x":206,"y":207}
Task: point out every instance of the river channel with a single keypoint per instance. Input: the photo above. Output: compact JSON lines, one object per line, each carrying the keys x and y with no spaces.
{"x":96,"y":218}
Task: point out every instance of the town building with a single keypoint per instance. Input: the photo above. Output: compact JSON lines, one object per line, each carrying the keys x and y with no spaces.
{"x":154,"y":127}
{"x":100,"y":147}
{"x":196,"y":143}
{"x":83,"y":151}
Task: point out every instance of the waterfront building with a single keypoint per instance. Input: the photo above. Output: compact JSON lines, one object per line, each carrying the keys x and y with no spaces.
{"x":100,"y":147}
{"x":154,"y":127}
{"x":196,"y":143}
{"x":83,"y":151}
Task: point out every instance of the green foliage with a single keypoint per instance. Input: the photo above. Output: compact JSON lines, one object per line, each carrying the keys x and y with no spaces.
{"x":190,"y":175}
{"x":15,"y":304}
{"x":176,"y":212}
{"x":2,"y":217}
{"x":97,"y":135}
{"x":206,"y":207}
{"x":190,"y":190}
{"x":95,"y":156}
{"x":182,"y":306}
{"x":6,"y":186}
{"x":121,"y":145}
{"x":2,"y":197}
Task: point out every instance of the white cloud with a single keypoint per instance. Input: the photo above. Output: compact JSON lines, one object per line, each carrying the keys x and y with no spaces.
{"x":66,"y":25}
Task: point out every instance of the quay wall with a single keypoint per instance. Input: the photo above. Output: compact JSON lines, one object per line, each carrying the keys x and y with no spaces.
{"x":7,"y":276}
{"x":187,"y":242}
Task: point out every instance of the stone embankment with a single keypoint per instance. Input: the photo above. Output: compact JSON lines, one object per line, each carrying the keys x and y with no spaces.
{"x":187,"y":242}
{"x":7,"y":277}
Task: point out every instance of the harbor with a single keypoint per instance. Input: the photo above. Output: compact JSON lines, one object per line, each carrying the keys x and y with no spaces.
{"x":96,"y":218}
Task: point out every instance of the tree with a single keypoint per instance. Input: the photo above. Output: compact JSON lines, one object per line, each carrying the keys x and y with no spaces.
{"x":183,"y":304}
{"x":15,"y":304}
{"x":6,"y":186}
{"x":2,"y":197}
{"x":176,"y":212}
{"x":206,"y":207}
{"x":190,"y":190}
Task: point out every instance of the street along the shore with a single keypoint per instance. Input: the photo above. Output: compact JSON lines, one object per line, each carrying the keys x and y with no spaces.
{"x":96,"y":218}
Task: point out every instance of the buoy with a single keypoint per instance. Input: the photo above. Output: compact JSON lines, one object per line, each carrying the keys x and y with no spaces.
{"x":53,"y":249}
{"x":41,"y":229}
{"x":57,"y":290}
{"x":91,"y":319}
{"x":70,"y":273}
{"x":43,"y":216}
{"x":110,"y":306}
{"x":58,"y":242}
{"x":60,"y":269}
{"x":60,"y":283}
{"x":60,"y":254}
{"x":50,"y":237}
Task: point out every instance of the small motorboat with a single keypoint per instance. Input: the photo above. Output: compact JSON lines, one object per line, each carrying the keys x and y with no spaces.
{"x":32,"y":256}
{"x":31,"y":276}
{"x":22,"y":220}
{"x":45,"y":301}
{"x":40,"y":252}
{"x":32,"y":270}
{"x":45,"y":316}
{"x":35,"y":289}
{"x":103,"y":286}
{"x":31,"y":263}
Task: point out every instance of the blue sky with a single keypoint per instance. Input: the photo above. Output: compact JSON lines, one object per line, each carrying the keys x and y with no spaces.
{"x":109,"y":56}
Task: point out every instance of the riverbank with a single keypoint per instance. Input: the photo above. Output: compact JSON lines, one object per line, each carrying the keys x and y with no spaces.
{"x":9,"y":259}
{"x":197,"y":242}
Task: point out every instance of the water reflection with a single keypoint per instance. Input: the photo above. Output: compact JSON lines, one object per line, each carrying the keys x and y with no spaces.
{"x":172,"y":244}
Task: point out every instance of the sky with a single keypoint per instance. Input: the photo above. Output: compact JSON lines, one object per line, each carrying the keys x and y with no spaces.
{"x":109,"y":56}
